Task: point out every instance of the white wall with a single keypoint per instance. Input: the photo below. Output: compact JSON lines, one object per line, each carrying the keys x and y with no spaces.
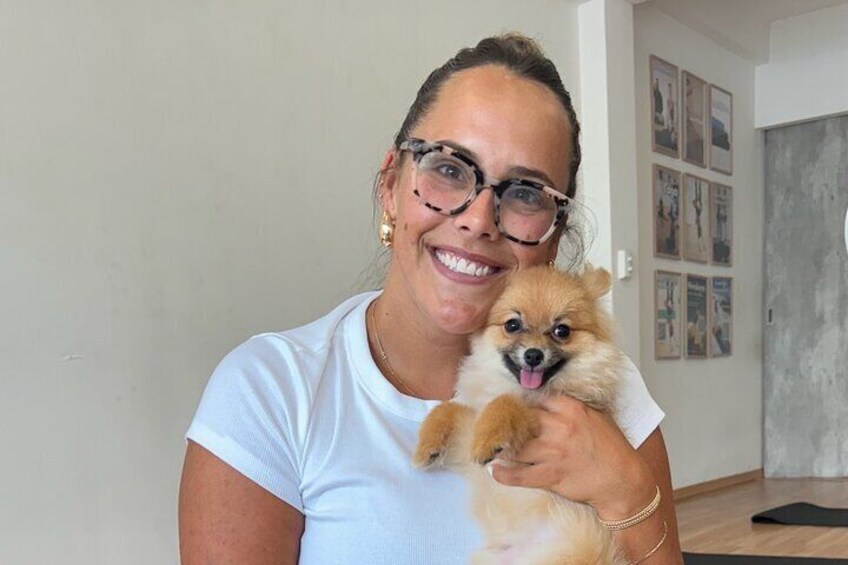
{"x":609,"y":150}
{"x":806,"y":76}
{"x":174,"y":177}
{"x":714,"y":407}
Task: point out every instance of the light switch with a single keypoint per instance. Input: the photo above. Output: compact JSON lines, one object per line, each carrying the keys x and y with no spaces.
{"x":624,"y":265}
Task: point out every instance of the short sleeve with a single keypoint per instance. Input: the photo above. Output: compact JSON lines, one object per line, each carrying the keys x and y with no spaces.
{"x":253,"y":416}
{"x":638,"y":414}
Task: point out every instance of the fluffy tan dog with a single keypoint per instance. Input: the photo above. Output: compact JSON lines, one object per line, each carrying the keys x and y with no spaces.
{"x":546,"y":335}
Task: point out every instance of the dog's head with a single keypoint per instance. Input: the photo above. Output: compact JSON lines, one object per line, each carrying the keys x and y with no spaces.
{"x":546,"y":321}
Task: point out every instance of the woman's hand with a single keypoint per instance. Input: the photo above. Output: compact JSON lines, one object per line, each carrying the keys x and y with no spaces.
{"x":582,"y":455}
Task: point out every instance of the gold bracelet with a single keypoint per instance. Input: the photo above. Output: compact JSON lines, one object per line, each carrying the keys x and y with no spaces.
{"x":636,"y":518}
{"x":656,"y":547}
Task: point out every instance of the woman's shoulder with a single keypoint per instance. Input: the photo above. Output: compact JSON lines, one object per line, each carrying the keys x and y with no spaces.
{"x":277,"y":374}
{"x":276,"y":356}
{"x":318,"y":335}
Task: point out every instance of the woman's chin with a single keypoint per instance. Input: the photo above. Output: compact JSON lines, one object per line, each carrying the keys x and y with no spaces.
{"x":462,"y":318}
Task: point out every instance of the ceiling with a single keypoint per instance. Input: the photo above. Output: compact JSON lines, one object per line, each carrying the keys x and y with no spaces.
{"x":742,"y":26}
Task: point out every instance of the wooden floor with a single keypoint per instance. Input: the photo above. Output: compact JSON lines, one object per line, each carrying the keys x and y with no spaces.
{"x":720,"y":521}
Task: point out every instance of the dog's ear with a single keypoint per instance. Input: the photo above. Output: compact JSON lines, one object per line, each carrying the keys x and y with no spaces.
{"x":596,"y":281}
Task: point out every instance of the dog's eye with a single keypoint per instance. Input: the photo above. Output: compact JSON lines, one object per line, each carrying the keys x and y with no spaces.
{"x":512,"y":325}
{"x":561,"y":331}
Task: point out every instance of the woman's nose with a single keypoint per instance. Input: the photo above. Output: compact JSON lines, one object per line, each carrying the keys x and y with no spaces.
{"x":478,"y":219}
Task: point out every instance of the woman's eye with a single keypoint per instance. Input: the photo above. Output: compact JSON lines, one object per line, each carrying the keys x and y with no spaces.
{"x":526,"y":196}
{"x":450,"y":171}
{"x":525,"y":199}
{"x":512,"y":325}
{"x":561,"y":331}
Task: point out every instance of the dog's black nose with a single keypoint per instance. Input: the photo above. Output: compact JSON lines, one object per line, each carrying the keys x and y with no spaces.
{"x":533,"y":357}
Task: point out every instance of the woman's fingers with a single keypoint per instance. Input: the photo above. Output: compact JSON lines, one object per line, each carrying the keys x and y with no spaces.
{"x":528,"y":476}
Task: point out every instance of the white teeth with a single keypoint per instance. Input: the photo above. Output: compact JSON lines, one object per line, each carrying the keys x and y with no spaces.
{"x":461,"y":265}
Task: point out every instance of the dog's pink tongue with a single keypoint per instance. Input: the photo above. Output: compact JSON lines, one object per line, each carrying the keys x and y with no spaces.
{"x":531,"y":378}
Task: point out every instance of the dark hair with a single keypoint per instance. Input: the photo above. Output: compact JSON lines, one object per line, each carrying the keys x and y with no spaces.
{"x":518,"y":54}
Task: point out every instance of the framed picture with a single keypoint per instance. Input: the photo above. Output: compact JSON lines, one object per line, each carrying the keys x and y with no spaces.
{"x":666,"y":212}
{"x":667,"y":309}
{"x":665,"y":107}
{"x":696,"y":316}
{"x":721,"y":130}
{"x":721,"y":316}
{"x":721,"y":224}
{"x":694,"y":120}
{"x":695,"y":225}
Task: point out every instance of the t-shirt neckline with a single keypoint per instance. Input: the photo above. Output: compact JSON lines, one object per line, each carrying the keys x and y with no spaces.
{"x":370,"y":376}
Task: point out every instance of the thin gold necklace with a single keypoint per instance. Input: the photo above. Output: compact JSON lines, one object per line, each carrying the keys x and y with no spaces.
{"x":395,"y":377}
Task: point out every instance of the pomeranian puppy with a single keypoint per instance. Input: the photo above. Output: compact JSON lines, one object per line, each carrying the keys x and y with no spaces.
{"x":546,"y":334}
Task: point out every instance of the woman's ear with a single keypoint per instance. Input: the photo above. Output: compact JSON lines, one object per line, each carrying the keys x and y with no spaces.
{"x":388,"y":181}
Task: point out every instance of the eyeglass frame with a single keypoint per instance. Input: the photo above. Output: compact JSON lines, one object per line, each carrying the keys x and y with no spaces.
{"x":419,"y":148}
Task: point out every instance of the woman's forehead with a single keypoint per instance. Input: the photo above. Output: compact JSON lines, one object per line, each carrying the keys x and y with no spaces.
{"x":502,"y":118}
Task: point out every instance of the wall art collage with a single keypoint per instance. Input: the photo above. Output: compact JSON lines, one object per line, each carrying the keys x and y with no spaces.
{"x":691,"y":120}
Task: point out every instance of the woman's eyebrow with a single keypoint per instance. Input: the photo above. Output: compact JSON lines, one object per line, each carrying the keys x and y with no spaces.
{"x":520,"y":171}
{"x":516,"y":171}
{"x":461,"y":148}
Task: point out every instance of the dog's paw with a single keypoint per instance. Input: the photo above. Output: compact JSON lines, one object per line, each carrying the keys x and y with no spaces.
{"x":502,"y":429}
{"x":428,"y":455}
{"x":437,"y":432}
{"x":484,"y":453}
{"x":491,"y":440}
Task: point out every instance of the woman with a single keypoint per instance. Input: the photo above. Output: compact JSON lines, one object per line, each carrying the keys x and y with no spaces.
{"x":301,"y":447}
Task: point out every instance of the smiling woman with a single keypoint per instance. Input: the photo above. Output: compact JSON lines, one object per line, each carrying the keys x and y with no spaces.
{"x":301,"y":448}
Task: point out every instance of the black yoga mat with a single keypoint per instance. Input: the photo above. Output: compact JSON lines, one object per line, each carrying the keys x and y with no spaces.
{"x":712,"y":559}
{"x":803,"y":514}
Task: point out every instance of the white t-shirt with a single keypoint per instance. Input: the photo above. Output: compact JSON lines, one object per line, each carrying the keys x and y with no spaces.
{"x":307,"y":415}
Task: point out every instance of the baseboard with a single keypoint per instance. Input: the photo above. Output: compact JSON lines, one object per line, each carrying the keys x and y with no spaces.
{"x":716,"y":484}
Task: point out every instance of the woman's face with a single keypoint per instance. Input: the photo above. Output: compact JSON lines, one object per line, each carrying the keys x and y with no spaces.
{"x":512,"y":128}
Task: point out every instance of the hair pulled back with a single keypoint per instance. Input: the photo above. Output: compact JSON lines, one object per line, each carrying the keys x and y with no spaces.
{"x":518,"y":54}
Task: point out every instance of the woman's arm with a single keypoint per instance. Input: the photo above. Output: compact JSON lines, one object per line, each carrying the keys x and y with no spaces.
{"x":643,"y":537}
{"x":227,"y":518}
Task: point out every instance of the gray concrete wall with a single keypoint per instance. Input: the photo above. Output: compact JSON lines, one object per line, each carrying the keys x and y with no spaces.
{"x":806,"y":270}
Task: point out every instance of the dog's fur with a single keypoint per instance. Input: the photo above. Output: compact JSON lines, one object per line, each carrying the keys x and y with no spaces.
{"x":490,"y":416}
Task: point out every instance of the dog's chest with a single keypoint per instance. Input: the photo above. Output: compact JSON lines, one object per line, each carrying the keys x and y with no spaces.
{"x":479,"y":384}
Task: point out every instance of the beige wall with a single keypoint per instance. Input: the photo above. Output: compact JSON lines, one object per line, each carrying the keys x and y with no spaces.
{"x":174,"y":177}
{"x":714,"y":406}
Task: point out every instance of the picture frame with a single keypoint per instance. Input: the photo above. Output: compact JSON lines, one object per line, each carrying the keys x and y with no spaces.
{"x":665,"y":107}
{"x":667,"y":315}
{"x":721,"y":130}
{"x":694,"y":119}
{"x":696,"y":316}
{"x":694,"y":224}
{"x":666,"y":212}
{"x":721,"y":224}
{"x":721,"y":316}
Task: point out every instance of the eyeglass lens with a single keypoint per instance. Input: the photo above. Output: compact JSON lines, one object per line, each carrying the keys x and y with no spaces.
{"x":447,"y":183}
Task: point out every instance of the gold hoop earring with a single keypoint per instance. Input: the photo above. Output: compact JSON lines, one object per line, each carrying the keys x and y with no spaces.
{"x":386,"y":230}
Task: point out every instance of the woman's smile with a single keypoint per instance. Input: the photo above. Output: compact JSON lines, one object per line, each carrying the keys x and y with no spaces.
{"x":464,"y":267}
